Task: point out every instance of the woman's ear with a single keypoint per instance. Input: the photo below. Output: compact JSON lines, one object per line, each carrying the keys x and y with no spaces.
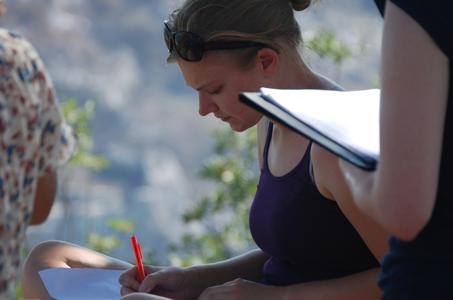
{"x":267,"y":61}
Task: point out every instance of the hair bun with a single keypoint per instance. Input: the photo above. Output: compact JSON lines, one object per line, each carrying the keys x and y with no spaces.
{"x":300,"y":5}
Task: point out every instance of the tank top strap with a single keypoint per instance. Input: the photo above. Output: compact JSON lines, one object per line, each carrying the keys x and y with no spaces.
{"x":305,"y":159}
{"x":270,"y":128}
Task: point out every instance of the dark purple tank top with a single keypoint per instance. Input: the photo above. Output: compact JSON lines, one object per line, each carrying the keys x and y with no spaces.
{"x":306,"y":235}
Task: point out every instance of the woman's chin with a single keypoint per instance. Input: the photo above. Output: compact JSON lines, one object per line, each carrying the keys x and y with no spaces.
{"x":236,"y":126}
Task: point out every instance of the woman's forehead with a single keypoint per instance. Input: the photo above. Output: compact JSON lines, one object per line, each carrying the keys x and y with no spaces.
{"x":204,"y":72}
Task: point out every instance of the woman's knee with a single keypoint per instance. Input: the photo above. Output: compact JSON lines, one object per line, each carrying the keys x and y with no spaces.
{"x":42,"y":256}
{"x":45,"y":255}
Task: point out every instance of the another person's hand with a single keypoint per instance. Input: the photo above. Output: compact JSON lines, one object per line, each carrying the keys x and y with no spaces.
{"x":171,"y":282}
{"x":241,"y":289}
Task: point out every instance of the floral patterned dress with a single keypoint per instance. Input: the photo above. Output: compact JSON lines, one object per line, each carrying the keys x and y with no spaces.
{"x":33,"y":140}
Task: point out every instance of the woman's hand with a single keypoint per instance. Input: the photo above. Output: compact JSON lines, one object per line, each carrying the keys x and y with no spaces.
{"x":243,"y":289}
{"x":129,"y":282}
{"x":171,"y":282}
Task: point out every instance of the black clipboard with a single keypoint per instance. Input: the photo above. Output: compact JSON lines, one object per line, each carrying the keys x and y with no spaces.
{"x":309,"y":129}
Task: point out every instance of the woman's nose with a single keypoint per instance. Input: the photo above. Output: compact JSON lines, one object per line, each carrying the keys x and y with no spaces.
{"x":205,"y":104}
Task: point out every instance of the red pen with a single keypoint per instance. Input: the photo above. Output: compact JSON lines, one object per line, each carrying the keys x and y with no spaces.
{"x":138,"y":258}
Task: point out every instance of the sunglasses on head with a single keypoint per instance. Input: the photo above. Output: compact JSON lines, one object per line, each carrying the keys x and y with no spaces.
{"x":190,"y":46}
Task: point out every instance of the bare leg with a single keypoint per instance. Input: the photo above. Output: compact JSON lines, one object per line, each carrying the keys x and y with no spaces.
{"x":59,"y":254}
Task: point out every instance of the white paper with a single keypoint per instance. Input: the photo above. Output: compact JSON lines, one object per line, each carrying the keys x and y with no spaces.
{"x":83,"y":283}
{"x":350,"y":117}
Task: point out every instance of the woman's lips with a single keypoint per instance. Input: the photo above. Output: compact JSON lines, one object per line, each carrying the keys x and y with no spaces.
{"x":224,"y":119}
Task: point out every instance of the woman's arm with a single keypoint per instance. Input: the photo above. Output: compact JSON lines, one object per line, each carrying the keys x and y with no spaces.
{"x":353,"y":287}
{"x":189,"y":283}
{"x":401,"y":194}
{"x":248,"y":266}
{"x":357,"y":286}
{"x":46,"y":188}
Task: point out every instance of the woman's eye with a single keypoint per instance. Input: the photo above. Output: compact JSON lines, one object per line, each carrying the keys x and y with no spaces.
{"x":216,"y":91}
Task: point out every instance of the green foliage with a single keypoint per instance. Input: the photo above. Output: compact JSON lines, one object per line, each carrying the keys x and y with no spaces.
{"x":79,"y":117}
{"x":224,"y":213}
{"x":102,"y":243}
{"x":326,"y":45}
{"x":19,"y":292}
{"x":121,"y":230}
{"x":107,"y":243}
{"x":122,"y":226}
{"x":149,"y":258}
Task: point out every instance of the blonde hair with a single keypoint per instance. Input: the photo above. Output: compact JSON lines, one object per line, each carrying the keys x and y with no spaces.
{"x":270,"y":22}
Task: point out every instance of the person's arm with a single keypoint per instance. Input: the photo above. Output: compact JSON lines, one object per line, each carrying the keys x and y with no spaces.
{"x":401,"y":194}
{"x":189,"y":283}
{"x":248,"y":266}
{"x":46,"y":188}
{"x":358,"y":286}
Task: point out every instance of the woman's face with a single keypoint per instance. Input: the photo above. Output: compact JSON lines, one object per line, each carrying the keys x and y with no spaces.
{"x":218,"y":81}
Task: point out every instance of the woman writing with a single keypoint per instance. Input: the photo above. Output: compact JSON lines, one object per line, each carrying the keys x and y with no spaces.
{"x":313,"y":242}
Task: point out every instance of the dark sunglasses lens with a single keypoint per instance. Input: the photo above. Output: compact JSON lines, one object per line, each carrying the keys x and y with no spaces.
{"x":189,"y":46}
{"x":168,"y":39}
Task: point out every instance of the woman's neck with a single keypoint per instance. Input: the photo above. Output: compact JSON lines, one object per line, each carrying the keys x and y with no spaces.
{"x":295,"y":74}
